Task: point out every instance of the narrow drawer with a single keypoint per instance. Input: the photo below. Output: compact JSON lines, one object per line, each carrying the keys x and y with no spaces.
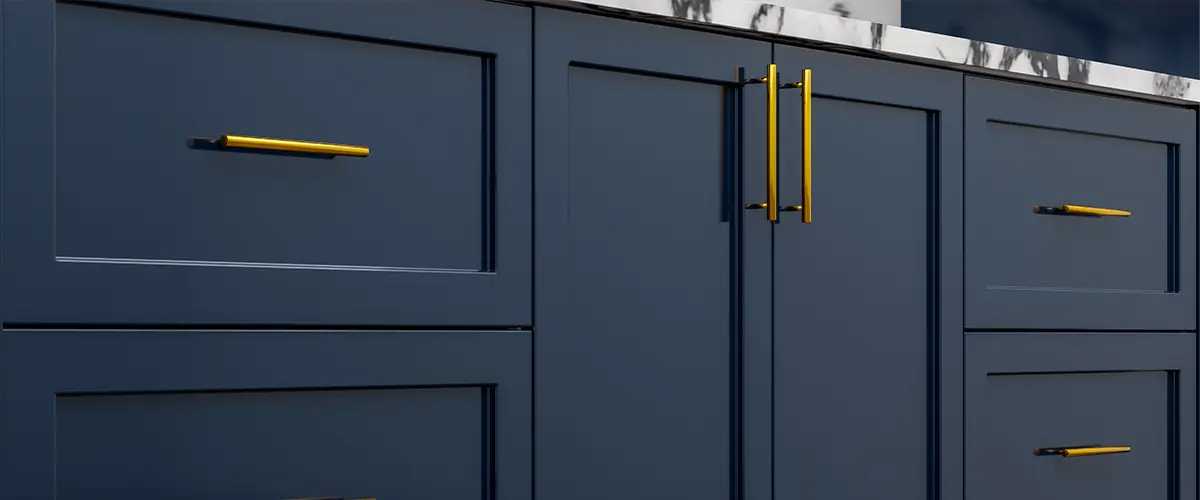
{"x":120,"y":210}
{"x":1051,"y":416}
{"x":265,"y":415}
{"x":1043,"y":268}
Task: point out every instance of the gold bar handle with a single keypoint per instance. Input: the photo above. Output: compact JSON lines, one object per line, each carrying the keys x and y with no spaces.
{"x":805,"y":206}
{"x":772,"y":82}
{"x":1081,"y":451}
{"x":248,"y":144}
{"x":1080,"y":210}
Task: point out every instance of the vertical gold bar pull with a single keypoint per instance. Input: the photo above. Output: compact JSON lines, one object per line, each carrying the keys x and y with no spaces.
{"x":772,"y":142}
{"x":772,"y":82}
{"x":806,"y":167}
{"x":807,"y":146}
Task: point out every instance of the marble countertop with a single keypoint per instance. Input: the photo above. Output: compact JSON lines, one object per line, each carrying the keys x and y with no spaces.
{"x":903,"y":43}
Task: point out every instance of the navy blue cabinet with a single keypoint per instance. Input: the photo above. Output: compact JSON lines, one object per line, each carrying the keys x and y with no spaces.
{"x":687,"y":346}
{"x":638,"y":165}
{"x":1080,"y":259}
{"x":110,"y":218}
{"x":865,"y":296}
{"x":198,"y":415}
{"x":1030,"y":151}
{"x":1119,"y":407}
{"x":494,"y":251}
{"x":192,"y":316}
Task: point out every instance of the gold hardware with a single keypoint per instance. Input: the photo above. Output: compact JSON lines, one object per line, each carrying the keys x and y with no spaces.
{"x":773,"y":143}
{"x":263,"y":144}
{"x":805,"y":205}
{"x":807,"y":200}
{"x":756,"y":206}
{"x":1081,"y":451}
{"x":772,"y":82}
{"x":1080,"y":210}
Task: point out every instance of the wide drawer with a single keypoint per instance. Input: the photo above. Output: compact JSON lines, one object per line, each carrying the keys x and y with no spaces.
{"x":202,"y":415}
{"x":114,"y":213}
{"x":1104,"y":416}
{"x":1041,"y":268}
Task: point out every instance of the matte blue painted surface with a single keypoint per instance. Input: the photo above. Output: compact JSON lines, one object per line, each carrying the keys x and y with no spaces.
{"x":681,"y":347}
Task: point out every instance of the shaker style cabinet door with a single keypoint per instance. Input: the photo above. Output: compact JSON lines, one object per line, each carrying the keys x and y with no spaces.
{"x":400,"y":195}
{"x":1080,"y":210}
{"x":861,"y":308}
{"x":637,"y":175}
{"x":1107,"y":416}
{"x":203,"y":415}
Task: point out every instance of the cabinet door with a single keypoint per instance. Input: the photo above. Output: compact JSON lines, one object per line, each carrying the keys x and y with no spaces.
{"x":1034,"y":147}
{"x":1120,"y":406}
{"x":199,"y":415}
{"x":856,"y":291}
{"x":637,"y":345}
{"x":110,"y":218}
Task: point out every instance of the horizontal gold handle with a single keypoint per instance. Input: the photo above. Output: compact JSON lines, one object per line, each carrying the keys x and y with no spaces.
{"x":246,"y":143}
{"x":1081,"y":451}
{"x":1081,"y":210}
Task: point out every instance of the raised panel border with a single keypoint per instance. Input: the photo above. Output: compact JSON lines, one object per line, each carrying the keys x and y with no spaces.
{"x":39,"y":366}
{"x":1016,"y":308}
{"x":1011,"y":353}
{"x":39,"y":289}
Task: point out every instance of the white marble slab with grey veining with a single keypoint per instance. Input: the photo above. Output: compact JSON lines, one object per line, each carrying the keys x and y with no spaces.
{"x":865,"y":24}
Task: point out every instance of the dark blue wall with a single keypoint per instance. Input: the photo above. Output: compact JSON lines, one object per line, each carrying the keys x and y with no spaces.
{"x":1155,"y":35}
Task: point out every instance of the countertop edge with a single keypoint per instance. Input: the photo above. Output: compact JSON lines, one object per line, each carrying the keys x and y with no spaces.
{"x":815,"y":29}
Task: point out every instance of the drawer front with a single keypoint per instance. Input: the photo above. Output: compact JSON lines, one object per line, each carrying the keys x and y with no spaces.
{"x":1110,"y":391}
{"x":111,"y":204}
{"x":268,"y":415}
{"x":1039,"y":268}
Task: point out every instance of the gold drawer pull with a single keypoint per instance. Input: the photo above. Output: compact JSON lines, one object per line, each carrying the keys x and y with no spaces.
{"x":773,"y":88}
{"x":772,"y":83}
{"x":247,"y":144}
{"x":1081,"y":210}
{"x":1081,"y":451}
{"x":805,"y":206}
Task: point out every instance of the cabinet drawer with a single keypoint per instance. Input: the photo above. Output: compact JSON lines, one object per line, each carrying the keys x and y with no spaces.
{"x":199,"y":415}
{"x":1091,"y":395}
{"x":113,"y":218}
{"x":1033,"y":268}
